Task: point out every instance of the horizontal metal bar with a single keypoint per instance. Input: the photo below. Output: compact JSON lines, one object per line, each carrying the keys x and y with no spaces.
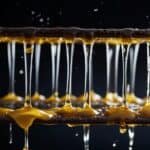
{"x":78,"y":121}
{"x":69,"y":34}
{"x":73,"y":32}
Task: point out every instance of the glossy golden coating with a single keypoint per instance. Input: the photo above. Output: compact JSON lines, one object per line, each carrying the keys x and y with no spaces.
{"x":112,"y":99}
{"x":69,"y":111}
{"x":82,"y":98}
{"x":123,"y":128}
{"x":37,"y":97}
{"x":4,"y":111}
{"x":94,"y":97}
{"x":120,"y":113}
{"x":145,"y":110}
{"x":53,"y":99}
{"x":109,"y":40}
{"x":25,"y":116}
{"x":66,"y":111}
{"x":87,"y":111}
{"x":132,"y":99}
{"x":68,"y":97}
{"x":11,"y":97}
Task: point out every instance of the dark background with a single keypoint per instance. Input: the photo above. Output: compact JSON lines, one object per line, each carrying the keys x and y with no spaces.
{"x":81,"y":13}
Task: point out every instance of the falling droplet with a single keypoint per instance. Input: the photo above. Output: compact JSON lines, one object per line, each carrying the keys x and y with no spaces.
{"x":131,"y":135}
{"x":148,"y":73}
{"x":95,"y":9}
{"x":114,"y":144}
{"x":10,"y":134}
{"x":123,"y":128}
{"x":41,"y":20}
{"x":86,"y":137}
{"x":21,"y":72}
{"x":32,"y":12}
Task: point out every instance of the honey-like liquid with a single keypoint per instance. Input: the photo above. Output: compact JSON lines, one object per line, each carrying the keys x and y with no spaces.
{"x":53,"y":98}
{"x":11,"y":97}
{"x":112,"y":99}
{"x":82,"y":98}
{"x":145,"y":110}
{"x":4,"y":111}
{"x":25,"y":116}
{"x":94,"y":97}
{"x":123,"y":128}
{"x":69,"y":111}
{"x":67,"y":98}
{"x":88,"y":111}
{"x":43,"y":39}
{"x":120,"y":112}
{"x":132,"y":99}
{"x":37,"y":99}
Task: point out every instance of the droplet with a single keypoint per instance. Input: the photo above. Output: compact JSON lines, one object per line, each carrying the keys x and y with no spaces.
{"x":123,"y":128}
{"x":147,"y":17}
{"x":41,"y":20}
{"x":114,"y":144}
{"x":10,"y":134}
{"x":77,"y":134}
{"x":32,"y":12}
{"x":21,"y":72}
{"x":95,"y":9}
{"x":130,"y":148}
{"x":48,"y":18}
